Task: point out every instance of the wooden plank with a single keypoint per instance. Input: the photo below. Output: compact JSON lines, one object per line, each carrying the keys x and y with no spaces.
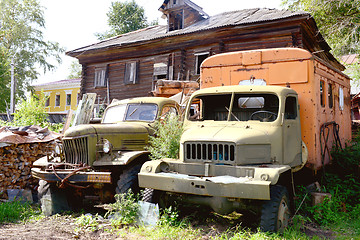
{"x":85,"y":109}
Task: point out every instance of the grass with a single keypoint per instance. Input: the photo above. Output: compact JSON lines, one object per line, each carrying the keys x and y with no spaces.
{"x":16,"y":211}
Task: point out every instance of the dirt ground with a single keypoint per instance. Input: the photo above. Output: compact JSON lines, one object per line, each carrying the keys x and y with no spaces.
{"x":64,"y":227}
{"x":55,"y":227}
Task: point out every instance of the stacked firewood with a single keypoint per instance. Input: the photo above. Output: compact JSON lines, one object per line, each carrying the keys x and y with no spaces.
{"x":15,"y":164}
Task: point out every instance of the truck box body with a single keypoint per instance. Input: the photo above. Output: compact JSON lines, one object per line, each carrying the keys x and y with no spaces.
{"x":324,"y":92}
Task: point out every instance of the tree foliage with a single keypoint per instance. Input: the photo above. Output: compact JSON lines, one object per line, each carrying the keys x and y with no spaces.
{"x":75,"y":70}
{"x":22,"y":22}
{"x":4,"y":79}
{"x":338,"y":21}
{"x":124,"y":17}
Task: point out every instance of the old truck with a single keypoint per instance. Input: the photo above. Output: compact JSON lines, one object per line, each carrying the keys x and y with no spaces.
{"x":95,"y":161}
{"x":259,"y":117}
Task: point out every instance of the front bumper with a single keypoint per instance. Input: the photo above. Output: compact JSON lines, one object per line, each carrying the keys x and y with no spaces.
{"x":78,"y":177}
{"x":224,"y":186}
{"x":240,"y":182}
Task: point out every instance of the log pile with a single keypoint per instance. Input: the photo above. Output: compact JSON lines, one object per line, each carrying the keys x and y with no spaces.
{"x":20,"y":147}
{"x":15,"y":164}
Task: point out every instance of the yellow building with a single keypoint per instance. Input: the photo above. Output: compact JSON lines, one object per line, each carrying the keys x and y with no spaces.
{"x":62,"y":95}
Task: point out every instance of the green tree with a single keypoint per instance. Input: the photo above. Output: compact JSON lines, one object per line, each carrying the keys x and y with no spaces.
{"x":75,"y":70}
{"x":22,"y":22}
{"x":124,"y":17}
{"x":338,"y":21}
{"x":4,"y":80}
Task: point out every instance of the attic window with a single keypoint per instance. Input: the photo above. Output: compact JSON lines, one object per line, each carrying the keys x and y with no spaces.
{"x":199,"y":58}
{"x":175,"y":21}
{"x":131,"y":73}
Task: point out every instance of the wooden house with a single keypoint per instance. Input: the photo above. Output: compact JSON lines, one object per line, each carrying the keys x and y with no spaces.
{"x":129,"y":65}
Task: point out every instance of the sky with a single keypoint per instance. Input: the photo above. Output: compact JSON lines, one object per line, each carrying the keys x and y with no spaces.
{"x":73,"y":23}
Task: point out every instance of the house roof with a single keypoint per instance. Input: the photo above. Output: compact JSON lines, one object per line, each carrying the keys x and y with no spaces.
{"x":234,"y":18}
{"x":60,"y":82}
{"x":67,"y":83}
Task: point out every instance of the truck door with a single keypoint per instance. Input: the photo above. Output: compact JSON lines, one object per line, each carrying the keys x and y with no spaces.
{"x":291,"y":132}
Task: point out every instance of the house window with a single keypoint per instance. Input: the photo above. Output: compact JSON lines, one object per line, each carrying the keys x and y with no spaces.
{"x":131,"y":73}
{"x":47,"y":102}
{"x":322,"y":95}
{"x":330,"y":95}
{"x":68,"y":99}
{"x":101,"y":76}
{"x":199,"y":58}
{"x":57,"y":100}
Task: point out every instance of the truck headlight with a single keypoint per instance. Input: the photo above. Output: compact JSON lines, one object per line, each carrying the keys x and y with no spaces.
{"x":107,"y":146}
{"x":58,"y":148}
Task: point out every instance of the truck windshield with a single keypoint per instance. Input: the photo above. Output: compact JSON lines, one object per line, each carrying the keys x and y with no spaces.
{"x":131,"y":112}
{"x":245,"y":107}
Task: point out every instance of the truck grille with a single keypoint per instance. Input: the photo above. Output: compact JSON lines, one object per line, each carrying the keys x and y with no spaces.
{"x":210,"y":151}
{"x":76,"y":150}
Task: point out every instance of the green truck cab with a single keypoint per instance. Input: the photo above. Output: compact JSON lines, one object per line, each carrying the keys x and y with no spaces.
{"x":241,"y":144}
{"x":96,"y":161}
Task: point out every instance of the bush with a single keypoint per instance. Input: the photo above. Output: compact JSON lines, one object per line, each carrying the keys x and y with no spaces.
{"x":166,"y":142}
{"x":30,"y":112}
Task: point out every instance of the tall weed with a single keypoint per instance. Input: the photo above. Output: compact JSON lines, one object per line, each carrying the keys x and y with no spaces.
{"x":125,"y":210}
{"x":166,"y":142}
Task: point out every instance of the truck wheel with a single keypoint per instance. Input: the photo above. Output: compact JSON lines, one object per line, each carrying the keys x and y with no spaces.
{"x":275,"y":212}
{"x":53,"y":200}
{"x":129,"y":180}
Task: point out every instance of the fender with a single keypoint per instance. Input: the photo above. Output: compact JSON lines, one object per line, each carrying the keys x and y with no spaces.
{"x":120,"y":158}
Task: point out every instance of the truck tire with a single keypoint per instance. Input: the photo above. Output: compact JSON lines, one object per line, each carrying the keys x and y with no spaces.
{"x":53,"y":200}
{"x":129,"y":180}
{"x":275,"y":212}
